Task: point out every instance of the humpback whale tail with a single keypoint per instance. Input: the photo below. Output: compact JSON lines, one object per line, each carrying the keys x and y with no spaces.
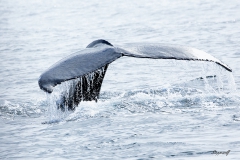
{"x":90,"y":65}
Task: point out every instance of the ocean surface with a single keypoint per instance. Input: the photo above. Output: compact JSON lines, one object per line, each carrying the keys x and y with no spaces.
{"x":148,"y":109}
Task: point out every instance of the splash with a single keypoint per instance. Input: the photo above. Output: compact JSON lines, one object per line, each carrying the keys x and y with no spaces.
{"x":54,"y":112}
{"x":69,"y":94}
{"x":214,"y":88}
{"x":216,"y":79}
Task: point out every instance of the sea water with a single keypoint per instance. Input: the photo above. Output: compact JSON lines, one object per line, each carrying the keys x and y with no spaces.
{"x":148,"y":109}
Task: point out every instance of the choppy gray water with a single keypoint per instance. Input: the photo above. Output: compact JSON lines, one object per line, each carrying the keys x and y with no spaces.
{"x":148,"y":108}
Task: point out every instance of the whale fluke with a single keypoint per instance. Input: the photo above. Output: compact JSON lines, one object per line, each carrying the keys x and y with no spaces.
{"x":90,"y":65}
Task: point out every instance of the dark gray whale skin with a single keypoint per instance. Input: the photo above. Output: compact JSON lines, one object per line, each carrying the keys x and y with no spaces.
{"x":90,"y":65}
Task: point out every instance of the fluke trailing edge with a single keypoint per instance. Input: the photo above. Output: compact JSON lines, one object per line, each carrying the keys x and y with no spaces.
{"x":89,"y":66}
